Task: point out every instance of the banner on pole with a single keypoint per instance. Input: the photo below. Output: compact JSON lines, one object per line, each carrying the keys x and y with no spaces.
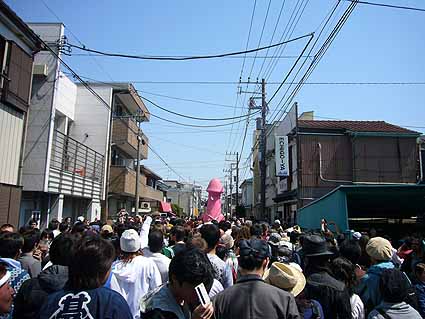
{"x":281,"y":156}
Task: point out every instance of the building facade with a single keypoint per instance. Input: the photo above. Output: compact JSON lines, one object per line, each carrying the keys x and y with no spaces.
{"x":187,"y":196}
{"x":18,"y":45}
{"x":323,"y":155}
{"x":64,"y":169}
{"x":247,"y":196}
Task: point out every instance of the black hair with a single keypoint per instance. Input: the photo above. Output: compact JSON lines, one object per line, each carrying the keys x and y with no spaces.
{"x":221,"y":252}
{"x":155,"y":241}
{"x":31,"y":239}
{"x":224,"y":225}
{"x":179,"y":232}
{"x":192,"y":266}
{"x":32,"y":221}
{"x":211,"y":234}
{"x":393,"y":286}
{"x":256,"y":230}
{"x":4,"y":226}
{"x":62,"y":249}
{"x":250,"y":262}
{"x":344,"y":271}
{"x":47,"y":234}
{"x":91,"y":262}
{"x":10,"y":244}
{"x":64,"y":227}
{"x":351,"y":250}
{"x":79,"y":227}
{"x":54,"y":224}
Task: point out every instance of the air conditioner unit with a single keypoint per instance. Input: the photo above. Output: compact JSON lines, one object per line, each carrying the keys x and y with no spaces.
{"x":40,"y":70}
{"x":145,"y":207}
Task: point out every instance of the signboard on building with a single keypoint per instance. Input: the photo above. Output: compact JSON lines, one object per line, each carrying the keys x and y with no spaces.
{"x":282,"y":156}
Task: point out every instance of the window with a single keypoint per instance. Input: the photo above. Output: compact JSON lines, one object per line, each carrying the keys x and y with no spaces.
{"x":18,"y":72}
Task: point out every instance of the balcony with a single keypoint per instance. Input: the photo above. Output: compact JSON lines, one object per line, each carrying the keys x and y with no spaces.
{"x":122,"y":181}
{"x":124,"y":136}
{"x":75,"y":169}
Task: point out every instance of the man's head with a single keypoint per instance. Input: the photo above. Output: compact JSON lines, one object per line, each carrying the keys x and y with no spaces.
{"x":155,"y":241}
{"x":10,"y":245}
{"x":7,"y":228}
{"x":54,"y":224}
{"x":379,"y":249}
{"x":211,"y":234}
{"x":351,"y":250}
{"x":187,"y":270}
{"x":254,"y":256}
{"x":62,"y":249}
{"x":31,"y":239}
{"x":420,"y":272}
{"x":416,"y":243}
{"x":64,"y":227}
{"x":32,"y":224}
{"x":177,"y":233}
{"x":256,"y":231}
{"x":91,"y":264}
{"x":393,"y":286}
{"x":6,"y":292}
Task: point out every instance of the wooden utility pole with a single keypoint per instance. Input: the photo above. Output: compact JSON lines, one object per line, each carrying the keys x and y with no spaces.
{"x":137,"y":197}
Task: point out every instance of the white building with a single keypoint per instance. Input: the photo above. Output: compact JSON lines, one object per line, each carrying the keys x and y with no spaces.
{"x":64,"y":172}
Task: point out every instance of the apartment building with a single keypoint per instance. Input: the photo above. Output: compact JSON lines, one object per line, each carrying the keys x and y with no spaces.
{"x":18,"y":45}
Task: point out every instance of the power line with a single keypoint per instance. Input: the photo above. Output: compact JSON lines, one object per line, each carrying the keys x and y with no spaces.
{"x":366,"y":83}
{"x":227,"y":57}
{"x":193,"y":117}
{"x":388,"y":5}
{"x":193,"y":125}
{"x":175,"y":58}
{"x":271,"y":40}
{"x":164,"y":161}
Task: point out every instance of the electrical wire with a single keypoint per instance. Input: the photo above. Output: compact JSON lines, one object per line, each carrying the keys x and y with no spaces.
{"x":193,"y":125}
{"x":271,"y":40}
{"x":175,"y":58}
{"x":388,"y":5}
{"x":193,"y":117}
{"x":165,"y":162}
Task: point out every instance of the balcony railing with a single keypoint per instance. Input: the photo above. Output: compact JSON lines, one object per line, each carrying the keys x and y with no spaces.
{"x":75,"y":168}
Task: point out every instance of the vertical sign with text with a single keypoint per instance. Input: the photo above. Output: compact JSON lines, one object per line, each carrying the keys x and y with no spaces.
{"x":281,"y":156}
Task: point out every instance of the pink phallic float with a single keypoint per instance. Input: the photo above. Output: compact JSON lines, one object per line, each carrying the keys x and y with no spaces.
{"x":215,"y":189}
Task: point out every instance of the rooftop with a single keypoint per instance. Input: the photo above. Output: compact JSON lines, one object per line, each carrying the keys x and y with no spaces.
{"x":355,"y":126}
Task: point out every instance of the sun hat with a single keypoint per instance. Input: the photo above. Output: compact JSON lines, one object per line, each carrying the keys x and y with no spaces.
{"x":285,"y":277}
{"x":227,"y":241}
{"x":379,"y":249}
{"x":130,"y":241}
{"x":107,"y":228}
{"x":315,"y":245}
{"x":277,"y":221}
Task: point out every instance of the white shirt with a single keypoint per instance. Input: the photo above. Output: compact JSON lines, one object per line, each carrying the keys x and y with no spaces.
{"x":161,"y":261}
{"x":357,"y":307}
{"x":134,"y":279}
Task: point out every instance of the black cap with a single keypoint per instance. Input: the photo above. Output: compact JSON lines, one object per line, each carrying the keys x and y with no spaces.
{"x":254,"y":247}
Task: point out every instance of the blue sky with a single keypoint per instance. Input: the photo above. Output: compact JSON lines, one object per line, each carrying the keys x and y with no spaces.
{"x":375,"y":45}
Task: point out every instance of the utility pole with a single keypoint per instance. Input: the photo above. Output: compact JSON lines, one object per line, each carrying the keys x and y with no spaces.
{"x":263,"y":140}
{"x":136,"y":209}
{"x":263,"y":147}
{"x":237,"y":179}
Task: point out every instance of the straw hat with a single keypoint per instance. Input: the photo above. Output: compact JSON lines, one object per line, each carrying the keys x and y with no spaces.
{"x":285,"y":277}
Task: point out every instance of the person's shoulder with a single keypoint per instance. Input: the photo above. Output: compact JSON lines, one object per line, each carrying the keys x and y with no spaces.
{"x":374,"y":314}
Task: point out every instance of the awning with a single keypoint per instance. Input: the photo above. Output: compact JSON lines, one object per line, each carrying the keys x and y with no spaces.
{"x":165,"y":207}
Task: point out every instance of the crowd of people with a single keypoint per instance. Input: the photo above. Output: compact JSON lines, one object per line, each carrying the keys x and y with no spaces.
{"x":148,"y":267}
